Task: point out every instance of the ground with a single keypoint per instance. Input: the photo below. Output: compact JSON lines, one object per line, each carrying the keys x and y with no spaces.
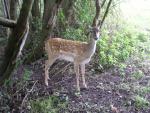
{"x":122,"y":89}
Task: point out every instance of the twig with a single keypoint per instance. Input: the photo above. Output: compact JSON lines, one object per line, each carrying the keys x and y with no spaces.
{"x":19,"y":89}
{"x":63,"y":69}
{"x":23,"y":101}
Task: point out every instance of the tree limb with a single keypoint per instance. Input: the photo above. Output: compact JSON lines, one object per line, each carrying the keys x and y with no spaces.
{"x":106,"y":13}
{"x":6,"y":8}
{"x":96,"y":18}
{"x":7,"y":22}
{"x":103,"y":3}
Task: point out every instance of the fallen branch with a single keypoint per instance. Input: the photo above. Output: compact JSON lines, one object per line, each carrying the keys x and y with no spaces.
{"x":7,"y":22}
{"x":24,"y":99}
{"x":63,"y":69}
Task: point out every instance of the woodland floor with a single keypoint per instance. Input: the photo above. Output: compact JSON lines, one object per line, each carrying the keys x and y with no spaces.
{"x":115,"y":90}
{"x":111,"y":91}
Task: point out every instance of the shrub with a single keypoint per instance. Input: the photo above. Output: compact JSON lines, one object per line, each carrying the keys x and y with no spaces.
{"x":116,"y":48}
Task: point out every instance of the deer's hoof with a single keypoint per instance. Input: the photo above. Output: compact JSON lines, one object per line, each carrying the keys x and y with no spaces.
{"x":77,"y":93}
{"x":46,"y":83}
{"x":84,"y":87}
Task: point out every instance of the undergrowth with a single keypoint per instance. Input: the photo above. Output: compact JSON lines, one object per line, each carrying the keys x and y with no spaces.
{"x":51,"y":104}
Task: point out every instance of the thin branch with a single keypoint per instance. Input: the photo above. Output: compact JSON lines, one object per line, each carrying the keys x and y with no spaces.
{"x":6,"y":9}
{"x":63,"y":69}
{"x":7,"y":22}
{"x":52,"y":19}
{"x":24,"y":99}
{"x":24,"y":37}
{"x":106,"y":12}
{"x":2,"y":2}
{"x":103,"y":3}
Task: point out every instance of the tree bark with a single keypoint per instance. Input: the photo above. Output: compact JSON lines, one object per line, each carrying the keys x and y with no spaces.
{"x":51,"y":8}
{"x":97,"y":15}
{"x":6,"y":8}
{"x":103,"y":3}
{"x":106,"y":12}
{"x":6,"y":4}
{"x":7,"y":22}
{"x":15,"y":42}
{"x":68,"y":9}
{"x":36,"y":9}
{"x":13,"y":9}
{"x":36,"y":15}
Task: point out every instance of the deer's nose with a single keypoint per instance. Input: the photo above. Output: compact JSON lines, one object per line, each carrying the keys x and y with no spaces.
{"x":96,"y":37}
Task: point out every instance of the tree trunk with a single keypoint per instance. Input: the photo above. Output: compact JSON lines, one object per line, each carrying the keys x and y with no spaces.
{"x":15,"y":42}
{"x":12,"y":12}
{"x":51,"y":8}
{"x":36,"y":14}
{"x":6,"y":8}
{"x":36,"y":9}
{"x":97,"y":15}
{"x":13,"y":9}
{"x":68,"y":9}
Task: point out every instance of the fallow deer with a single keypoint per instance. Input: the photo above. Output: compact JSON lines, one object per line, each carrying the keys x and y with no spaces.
{"x":77,"y":52}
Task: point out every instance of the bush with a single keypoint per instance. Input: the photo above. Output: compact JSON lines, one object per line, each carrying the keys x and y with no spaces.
{"x":116,"y":48}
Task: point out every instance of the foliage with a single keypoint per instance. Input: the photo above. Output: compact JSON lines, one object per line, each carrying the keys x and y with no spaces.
{"x":74,"y":34}
{"x":115,"y":48}
{"x":51,"y":104}
{"x":26,"y":75}
{"x":141,"y":102}
{"x":138,"y":74}
{"x":118,"y":42}
{"x":78,"y":31}
{"x":85,"y":11}
{"x":143,"y":90}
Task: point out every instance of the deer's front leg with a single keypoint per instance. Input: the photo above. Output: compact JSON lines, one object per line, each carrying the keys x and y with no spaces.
{"x":48,"y":63}
{"x":46,"y":72}
{"x":76,"y":68}
{"x":83,"y":75}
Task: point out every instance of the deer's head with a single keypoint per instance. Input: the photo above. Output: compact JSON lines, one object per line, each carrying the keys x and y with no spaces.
{"x":94,"y":33}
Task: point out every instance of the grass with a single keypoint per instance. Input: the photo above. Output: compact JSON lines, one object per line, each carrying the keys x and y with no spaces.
{"x":52,"y":104}
{"x":143,"y":90}
{"x":27,"y":74}
{"x":138,"y":74}
{"x":141,"y":102}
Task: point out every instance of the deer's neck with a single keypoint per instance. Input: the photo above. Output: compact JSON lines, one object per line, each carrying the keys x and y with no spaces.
{"x":91,"y":46}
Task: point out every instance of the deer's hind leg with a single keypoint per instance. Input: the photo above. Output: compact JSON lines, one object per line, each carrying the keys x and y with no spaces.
{"x":48,"y":63}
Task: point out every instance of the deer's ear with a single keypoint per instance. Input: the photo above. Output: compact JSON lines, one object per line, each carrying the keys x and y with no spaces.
{"x":99,"y":24}
{"x":98,"y":27}
{"x":90,"y":28}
